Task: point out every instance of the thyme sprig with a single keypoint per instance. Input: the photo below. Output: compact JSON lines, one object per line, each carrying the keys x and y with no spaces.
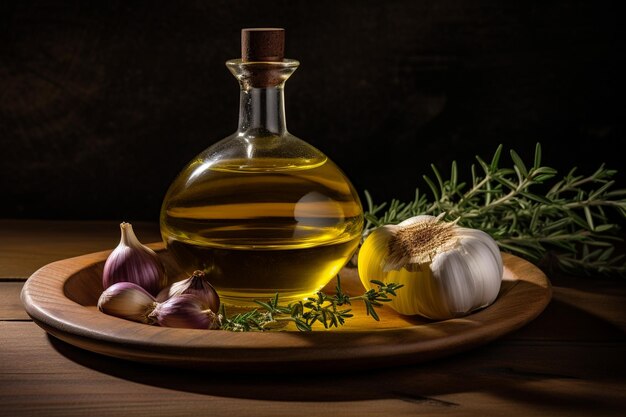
{"x":322,"y":308}
{"x":566,"y":220}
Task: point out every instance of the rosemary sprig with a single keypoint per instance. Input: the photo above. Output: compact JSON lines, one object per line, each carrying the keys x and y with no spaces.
{"x":323,"y":308}
{"x":569,"y":223}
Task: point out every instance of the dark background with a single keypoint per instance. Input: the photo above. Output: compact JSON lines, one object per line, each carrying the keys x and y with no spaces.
{"x":102,"y":104}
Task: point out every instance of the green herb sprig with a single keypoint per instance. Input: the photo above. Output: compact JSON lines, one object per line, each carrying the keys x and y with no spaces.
{"x":323,"y":308}
{"x":566,"y":221}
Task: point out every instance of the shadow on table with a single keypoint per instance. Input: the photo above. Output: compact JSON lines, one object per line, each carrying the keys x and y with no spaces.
{"x":536,"y":365}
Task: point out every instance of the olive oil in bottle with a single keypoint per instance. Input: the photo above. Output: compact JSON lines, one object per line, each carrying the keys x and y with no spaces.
{"x":258,"y":232}
{"x":262,"y":211}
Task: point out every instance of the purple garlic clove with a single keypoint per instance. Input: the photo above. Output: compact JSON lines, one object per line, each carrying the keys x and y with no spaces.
{"x":133,"y":262}
{"x":185,"y":311}
{"x":128,"y":301}
{"x":197,"y":284}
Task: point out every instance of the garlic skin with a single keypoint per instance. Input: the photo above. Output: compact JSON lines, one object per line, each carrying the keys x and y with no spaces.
{"x":185,"y":311}
{"x":128,"y":301}
{"x":197,"y":284}
{"x":133,"y":262}
{"x":447,"y":270}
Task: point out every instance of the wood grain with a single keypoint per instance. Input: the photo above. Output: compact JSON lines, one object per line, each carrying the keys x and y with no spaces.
{"x":43,"y":376}
{"x":10,"y":305}
{"x":26,"y":245}
{"x":61,"y":298}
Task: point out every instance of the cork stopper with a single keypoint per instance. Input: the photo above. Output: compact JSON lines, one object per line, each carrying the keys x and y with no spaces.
{"x":262,"y":44}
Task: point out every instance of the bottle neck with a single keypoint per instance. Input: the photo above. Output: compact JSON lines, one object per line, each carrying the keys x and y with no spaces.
{"x":262,"y":111}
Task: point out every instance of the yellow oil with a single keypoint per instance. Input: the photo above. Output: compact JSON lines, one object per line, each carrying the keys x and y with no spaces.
{"x":273,"y":225}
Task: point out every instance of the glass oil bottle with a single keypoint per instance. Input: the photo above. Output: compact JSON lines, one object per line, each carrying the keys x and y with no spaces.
{"x":262,"y":211}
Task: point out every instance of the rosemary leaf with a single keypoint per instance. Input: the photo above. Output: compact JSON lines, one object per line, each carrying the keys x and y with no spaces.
{"x":322,"y":308}
{"x":508,"y":203}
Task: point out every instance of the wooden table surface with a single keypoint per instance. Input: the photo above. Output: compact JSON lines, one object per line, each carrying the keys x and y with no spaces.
{"x":569,"y":361}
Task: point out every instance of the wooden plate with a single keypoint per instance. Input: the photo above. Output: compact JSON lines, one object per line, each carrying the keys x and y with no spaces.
{"x":61,"y":298}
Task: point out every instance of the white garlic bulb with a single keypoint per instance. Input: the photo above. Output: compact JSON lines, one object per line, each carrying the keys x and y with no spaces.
{"x":447,"y":270}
